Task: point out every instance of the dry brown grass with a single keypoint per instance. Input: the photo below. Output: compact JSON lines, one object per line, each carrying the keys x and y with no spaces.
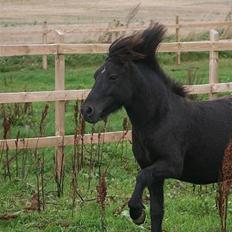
{"x":29,"y":15}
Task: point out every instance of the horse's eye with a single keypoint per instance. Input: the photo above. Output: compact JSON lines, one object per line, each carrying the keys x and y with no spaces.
{"x":113,"y":77}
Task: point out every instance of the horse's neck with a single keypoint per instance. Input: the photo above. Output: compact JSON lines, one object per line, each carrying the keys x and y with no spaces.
{"x":146,"y":109}
{"x":152,"y":98}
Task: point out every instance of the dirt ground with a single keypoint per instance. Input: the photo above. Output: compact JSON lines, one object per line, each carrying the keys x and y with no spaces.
{"x":25,"y":15}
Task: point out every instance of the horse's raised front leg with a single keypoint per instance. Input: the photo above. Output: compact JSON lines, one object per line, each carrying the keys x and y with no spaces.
{"x":135,"y":204}
{"x":137,"y":212}
{"x":149,"y":177}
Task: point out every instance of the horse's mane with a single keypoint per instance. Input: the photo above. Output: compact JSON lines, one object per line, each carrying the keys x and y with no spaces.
{"x":142,"y":46}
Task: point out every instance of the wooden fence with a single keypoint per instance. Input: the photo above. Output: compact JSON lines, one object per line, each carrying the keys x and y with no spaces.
{"x":60,"y":95}
{"x":117,"y":31}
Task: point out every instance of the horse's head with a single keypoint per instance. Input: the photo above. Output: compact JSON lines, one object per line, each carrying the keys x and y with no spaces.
{"x":112,"y":89}
{"x":115,"y":82}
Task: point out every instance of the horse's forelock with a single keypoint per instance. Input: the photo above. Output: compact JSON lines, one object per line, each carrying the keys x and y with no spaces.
{"x":141,"y":45}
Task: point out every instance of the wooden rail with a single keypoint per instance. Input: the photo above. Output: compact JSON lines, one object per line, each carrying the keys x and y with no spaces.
{"x":72,"y":95}
{"x":32,"y":49}
{"x":62,"y":49}
{"x":57,"y":141}
{"x":43,"y":96}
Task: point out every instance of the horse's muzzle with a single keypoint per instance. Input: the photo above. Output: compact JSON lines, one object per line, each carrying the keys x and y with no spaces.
{"x":89,"y":114}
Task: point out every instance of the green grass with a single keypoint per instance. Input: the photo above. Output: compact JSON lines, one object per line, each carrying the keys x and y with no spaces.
{"x":186,"y":210}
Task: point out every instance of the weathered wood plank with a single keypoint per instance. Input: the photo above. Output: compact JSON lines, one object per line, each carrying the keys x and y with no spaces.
{"x":198,"y":89}
{"x":43,"y":96}
{"x":222,"y":87}
{"x":62,"y":49}
{"x":59,"y":110}
{"x":199,"y":46}
{"x":213,"y":62}
{"x":54,"y":141}
{"x":68,"y":95}
{"x":83,"y":48}
{"x":44,"y":41}
{"x":30,"y":49}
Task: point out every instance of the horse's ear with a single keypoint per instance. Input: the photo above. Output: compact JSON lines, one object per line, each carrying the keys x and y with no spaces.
{"x":151,"y":39}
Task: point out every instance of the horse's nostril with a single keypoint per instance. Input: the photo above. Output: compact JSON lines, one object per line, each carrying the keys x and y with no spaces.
{"x":89,"y":110}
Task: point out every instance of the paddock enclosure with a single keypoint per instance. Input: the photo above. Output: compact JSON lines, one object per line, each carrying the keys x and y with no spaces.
{"x":54,"y":43}
{"x":60,"y":95}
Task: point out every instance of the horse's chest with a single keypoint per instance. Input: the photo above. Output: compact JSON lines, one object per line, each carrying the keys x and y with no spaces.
{"x":142,"y":151}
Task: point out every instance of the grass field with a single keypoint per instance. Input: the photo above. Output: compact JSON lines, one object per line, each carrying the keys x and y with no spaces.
{"x":25,"y":16}
{"x":188,"y":208}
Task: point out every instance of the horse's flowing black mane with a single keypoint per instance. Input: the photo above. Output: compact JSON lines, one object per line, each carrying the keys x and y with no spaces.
{"x":142,"y":46}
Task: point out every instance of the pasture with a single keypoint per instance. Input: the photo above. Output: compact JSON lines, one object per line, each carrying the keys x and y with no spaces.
{"x":188,"y":208}
{"x":25,"y":16}
{"x":30,"y":13}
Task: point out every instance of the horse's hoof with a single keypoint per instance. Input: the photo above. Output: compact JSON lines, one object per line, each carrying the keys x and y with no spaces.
{"x":141,"y":219}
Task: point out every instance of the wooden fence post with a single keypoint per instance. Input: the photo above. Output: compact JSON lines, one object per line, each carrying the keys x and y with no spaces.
{"x":213,"y":62}
{"x":59,"y":113}
{"x":177,"y":39}
{"x":44,"y":41}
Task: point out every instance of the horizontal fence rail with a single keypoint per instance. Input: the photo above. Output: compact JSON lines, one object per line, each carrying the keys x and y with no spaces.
{"x":54,"y":141}
{"x":32,"y":49}
{"x":69,"y":95}
{"x":62,"y":49}
{"x":43,"y":96}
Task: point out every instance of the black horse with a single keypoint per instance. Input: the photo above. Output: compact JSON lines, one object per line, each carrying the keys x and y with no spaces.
{"x":173,"y":137}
